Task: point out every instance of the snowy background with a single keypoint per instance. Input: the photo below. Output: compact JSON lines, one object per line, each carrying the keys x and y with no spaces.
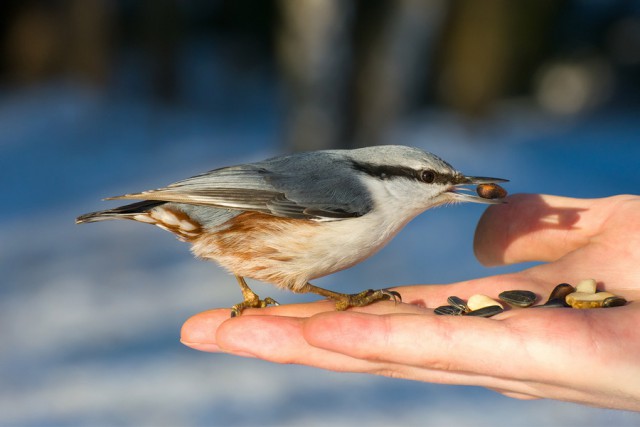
{"x":90,"y":315}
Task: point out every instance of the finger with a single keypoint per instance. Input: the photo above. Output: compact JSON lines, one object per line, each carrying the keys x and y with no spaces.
{"x":529,"y":347}
{"x":531,"y":227}
{"x":513,"y":394}
{"x":443,"y":343}
{"x":200,"y":331}
{"x":281,"y":340}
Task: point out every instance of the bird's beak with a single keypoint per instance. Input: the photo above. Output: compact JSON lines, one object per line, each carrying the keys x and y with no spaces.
{"x":457,"y":190}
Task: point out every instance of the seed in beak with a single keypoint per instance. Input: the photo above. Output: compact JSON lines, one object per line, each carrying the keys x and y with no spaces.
{"x":491,"y":191}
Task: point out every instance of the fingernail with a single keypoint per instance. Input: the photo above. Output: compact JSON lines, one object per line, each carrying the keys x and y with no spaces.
{"x":214,"y":348}
{"x":209,"y":347}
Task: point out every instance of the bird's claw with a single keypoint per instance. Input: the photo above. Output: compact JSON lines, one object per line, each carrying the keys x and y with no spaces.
{"x":367,"y":297}
{"x":237,"y":309}
{"x":394,"y":295}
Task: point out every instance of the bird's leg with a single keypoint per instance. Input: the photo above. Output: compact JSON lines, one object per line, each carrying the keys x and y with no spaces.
{"x":344,"y":301}
{"x":251,"y":299}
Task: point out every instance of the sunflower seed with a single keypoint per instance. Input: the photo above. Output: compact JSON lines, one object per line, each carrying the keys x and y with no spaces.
{"x":518,"y":298}
{"x":448,"y":310}
{"x":487,"y":311}
{"x":614,"y":301}
{"x":458,"y":303}
{"x":561,"y":291}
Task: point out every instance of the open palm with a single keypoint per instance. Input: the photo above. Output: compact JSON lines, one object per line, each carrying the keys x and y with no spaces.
{"x":586,"y":356}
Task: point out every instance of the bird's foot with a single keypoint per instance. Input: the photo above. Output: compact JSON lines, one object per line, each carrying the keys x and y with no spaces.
{"x":256,"y":302}
{"x":251,"y":299}
{"x":344,"y":301}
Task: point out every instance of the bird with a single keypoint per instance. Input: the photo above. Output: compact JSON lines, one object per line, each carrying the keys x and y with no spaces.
{"x":290,"y":219}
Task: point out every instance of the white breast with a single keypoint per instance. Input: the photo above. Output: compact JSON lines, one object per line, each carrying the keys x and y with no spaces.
{"x":347,"y":242}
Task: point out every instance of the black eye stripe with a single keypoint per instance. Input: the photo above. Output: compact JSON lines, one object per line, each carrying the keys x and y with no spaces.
{"x":384,"y":172}
{"x":391,"y":172}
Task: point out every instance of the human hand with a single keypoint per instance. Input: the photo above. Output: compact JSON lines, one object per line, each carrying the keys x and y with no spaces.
{"x":585,"y":356}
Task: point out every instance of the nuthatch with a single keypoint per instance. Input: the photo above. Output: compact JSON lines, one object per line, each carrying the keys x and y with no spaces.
{"x":290,"y":219}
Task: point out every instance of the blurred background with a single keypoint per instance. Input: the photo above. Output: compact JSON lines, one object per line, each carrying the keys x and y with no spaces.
{"x":99,"y":98}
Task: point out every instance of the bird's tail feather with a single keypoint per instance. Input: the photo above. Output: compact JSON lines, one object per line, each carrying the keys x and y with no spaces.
{"x":122,"y":212}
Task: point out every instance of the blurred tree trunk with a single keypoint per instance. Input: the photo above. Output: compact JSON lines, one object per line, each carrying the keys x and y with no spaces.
{"x":32,"y":43}
{"x":314,"y":50}
{"x":162,"y":28}
{"x":346,"y":94}
{"x":488,"y":49}
{"x":89,"y":25}
{"x":47,"y":39}
{"x":395,"y":65}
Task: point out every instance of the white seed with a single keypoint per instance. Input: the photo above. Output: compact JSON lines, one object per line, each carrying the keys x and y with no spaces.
{"x":478,"y":301}
{"x":587,"y":286}
{"x":587,"y":300}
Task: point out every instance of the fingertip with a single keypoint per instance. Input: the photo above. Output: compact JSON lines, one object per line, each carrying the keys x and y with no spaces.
{"x":531,"y":227}
{"x":199,"y":331}
{"x":491,"y":238}
{"x":488,"y":241}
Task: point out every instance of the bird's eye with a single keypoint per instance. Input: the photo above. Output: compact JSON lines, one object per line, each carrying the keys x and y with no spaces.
{"x":427,"y":176}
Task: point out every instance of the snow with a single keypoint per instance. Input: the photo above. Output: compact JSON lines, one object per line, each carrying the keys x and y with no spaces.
{"x":90,"y":315}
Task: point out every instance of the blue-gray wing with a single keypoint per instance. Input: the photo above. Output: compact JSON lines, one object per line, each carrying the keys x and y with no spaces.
{"x":316,"y":185}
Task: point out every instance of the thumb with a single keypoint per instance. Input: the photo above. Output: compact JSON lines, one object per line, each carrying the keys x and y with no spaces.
{"x":533,"y":227}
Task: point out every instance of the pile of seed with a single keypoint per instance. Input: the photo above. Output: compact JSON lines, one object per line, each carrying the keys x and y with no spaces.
{"x":584,"y":295}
